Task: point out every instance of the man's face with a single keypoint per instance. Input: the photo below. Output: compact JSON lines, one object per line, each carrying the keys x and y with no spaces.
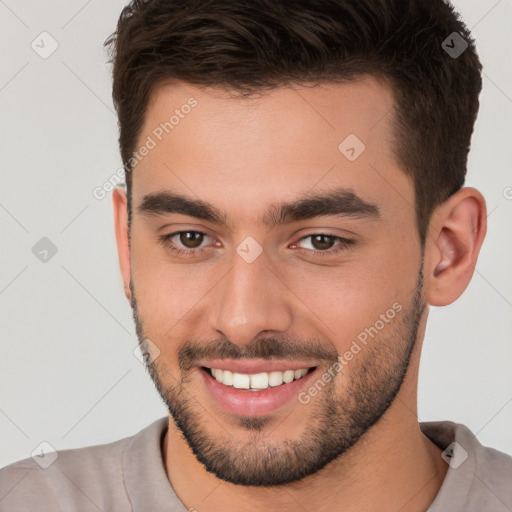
{"x":332,"y":286}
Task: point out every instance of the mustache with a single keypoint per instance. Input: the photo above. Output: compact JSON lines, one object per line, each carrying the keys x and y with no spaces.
{"x":190,"y":353}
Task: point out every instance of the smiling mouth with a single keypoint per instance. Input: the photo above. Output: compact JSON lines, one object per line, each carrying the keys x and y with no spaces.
{"x":256,"y":381}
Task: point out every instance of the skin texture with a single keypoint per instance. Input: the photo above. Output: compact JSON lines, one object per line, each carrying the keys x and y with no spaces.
{"x":241,"y":156}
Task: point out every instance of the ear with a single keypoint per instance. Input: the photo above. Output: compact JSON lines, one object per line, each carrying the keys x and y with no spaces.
{"x":120,"y":204}
{"x":455,"y":236}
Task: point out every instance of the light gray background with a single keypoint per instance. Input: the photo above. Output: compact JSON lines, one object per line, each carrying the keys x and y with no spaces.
{"x":68,"y":375}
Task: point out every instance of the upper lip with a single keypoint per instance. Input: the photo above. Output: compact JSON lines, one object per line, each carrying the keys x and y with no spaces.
{"x":252,"y":366}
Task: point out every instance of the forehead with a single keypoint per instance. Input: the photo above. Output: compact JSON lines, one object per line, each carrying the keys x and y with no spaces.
{"x":274,"y":147}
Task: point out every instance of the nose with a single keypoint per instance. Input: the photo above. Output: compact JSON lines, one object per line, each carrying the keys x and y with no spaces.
{"x":250,"y":300}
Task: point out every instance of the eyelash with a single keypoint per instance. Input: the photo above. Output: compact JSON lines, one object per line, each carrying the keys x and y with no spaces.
{"x":344,"y":244}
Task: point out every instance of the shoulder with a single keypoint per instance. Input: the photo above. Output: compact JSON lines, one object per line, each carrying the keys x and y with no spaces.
{"x":479,"y":476}
{"x":493,"y":475}
{"x":76,"y":476}
{"x":73,"y":479}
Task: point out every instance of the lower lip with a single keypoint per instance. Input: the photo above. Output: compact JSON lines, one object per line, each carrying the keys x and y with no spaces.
{"x":253,"y":403}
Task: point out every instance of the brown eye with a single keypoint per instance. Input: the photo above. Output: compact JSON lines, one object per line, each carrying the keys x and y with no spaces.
{"x":191,"y":239}
{"x":322,"y":242}
{"x":319,"y":242}
{"x":324,"y":245}
{"x":186,"y":243}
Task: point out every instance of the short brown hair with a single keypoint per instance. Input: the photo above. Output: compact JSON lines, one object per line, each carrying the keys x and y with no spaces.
{"x":249,"y":46}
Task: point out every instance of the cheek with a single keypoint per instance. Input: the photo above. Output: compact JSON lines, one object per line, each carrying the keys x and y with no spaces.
{"x":351,"y":297}
{"x":165,"y":291}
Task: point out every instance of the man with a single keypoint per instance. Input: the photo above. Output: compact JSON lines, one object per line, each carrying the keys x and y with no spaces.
{"x":294,"y":204}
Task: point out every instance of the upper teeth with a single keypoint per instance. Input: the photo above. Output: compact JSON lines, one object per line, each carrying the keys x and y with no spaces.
{"x":256,"y":380}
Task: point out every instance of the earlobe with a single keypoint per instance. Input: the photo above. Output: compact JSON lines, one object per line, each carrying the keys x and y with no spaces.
{"x":456,"y":235}
{"x":120,"y":204}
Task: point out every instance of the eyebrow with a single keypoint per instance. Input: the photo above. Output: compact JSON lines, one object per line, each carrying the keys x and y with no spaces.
{"x":336,"y":202}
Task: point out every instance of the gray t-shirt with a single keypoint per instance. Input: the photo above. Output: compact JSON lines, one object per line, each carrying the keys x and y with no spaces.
{"x":129,"y":475}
